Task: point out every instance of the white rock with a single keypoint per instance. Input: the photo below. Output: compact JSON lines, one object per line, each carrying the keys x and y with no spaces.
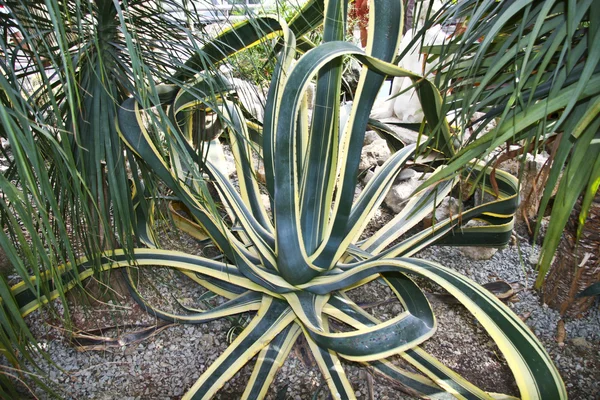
{"x":406,"y":174}
{"x":266,"y":201}
{"x":374,"y":154}
{"x":477,"y":252}
{"x":534,"y":258}
{"x":449,"y":207}
{"x":405,"y":135}
{"x":400,"y":193}
{"x":367,"y":176}
{"x":370,"y":137}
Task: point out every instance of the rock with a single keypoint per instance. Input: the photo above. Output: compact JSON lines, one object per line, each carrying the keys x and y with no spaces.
{"x":366,"y":177}
{"x":4,"y":143}
{"x":478,"y":253}
{"x":266,"y":200}
{"x":406,"y":174}
{"x":449,"y":207}
{"x":581,"y":342}
{"x":399,"y":193}
{"x":370,"y":137}
{"x":374,"y":154}
{"x":404,"y":103}
{"x":534,"y":258}
{"x":405,"y":135}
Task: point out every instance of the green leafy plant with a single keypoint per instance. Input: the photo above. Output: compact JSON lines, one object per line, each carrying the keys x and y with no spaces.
{"x":293,"y":259}
{"x":65,"y":69}
{"x":531,"y":66}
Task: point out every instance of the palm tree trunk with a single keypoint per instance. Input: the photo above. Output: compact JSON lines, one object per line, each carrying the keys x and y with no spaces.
{"x":576,"y":265}
{"x":409,"y":10}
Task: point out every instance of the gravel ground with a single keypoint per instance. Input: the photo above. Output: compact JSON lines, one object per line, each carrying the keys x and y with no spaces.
{"x":167,"y":363}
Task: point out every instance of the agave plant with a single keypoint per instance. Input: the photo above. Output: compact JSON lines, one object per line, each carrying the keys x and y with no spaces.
{"x":293,"y":259}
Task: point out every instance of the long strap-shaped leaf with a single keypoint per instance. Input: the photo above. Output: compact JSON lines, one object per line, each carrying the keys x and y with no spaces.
{"x":319,"y":168}
{"x":29,"y":300}
{"x":451,"y":231}
{"x":242,"y":151}
{"x":310,"y":17}
{"x":133,"y":133}
{"x":233,"y":39}
{"x":419,"y":206}
{"x":384,"y":35}
{"x":271,"y":319}
{"x":202,"y":92}
{"x":331,"y":368}
{"x":379,"y":341}
{"x":248,"y":301}
{"x":522,"y":120}
{"x":137,"y":138}
{"x":296,"y":267}
{"x":258,"y":229}
{"x":269,"y":360}
{"x":375,"y":191}
{"x":273,"y":105}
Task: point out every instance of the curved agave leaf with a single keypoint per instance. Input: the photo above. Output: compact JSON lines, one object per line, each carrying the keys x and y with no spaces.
{"x":440,"y":376}
{"x":270,"y":359}
{"x":248,"y":183}
{"x":408,"y":329}
{"x":317,"y":167}
{"x":271,"y":319}
{"x":331,"y":368}
{"x":523,"y":352}
{"x":237,"y":37}
{"x":374,"y":192}
{"x":28,"y":300}
{"x":287,"y":210}
{"x":248,"y":301}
